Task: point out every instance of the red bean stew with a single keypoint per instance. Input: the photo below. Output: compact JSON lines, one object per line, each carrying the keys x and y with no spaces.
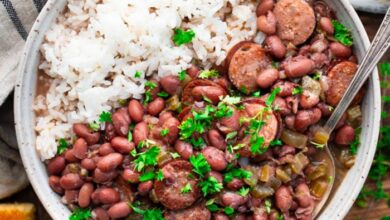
{"x":235,"y":142}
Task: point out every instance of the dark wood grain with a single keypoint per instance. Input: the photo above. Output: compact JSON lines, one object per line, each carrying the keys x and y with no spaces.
{"x":374,"y":211}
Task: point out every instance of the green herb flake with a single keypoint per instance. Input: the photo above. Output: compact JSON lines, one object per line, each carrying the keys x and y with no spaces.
{"x":183,"y":37}
{"x":62,"y":146}
{"x":353,"y":147}
{"x":147,"y":176}
{"x":80,"y":214}
{"x":317,"y":76}
{"x":137,"y":74}
{"x":297,"y":90}
{"x":256,"y":94}
{"x":228,"y":210}
{"x":272,"y":96}
{"x":159,"y":175}
{"x":149,"y":214}
{"x":231,"y":135}
{"x":164,"y":132}
{"x":385,"y":68}
{"x":243,"y":191}
{"x":276,"y":142}
{"x":147,"y":158}
{"x":207,"y":74}
{"x":268,"y":206}
{"x":187,"y":188}
{"x":163,"y":94}
{"x":94,"y":126}
{"x":238,"y":173}
{"x":105,"y":117}
{"x":200,"y":165}
{"x":150,"y":85}
{"x":342,"y":34}
{"x":182,"y":75}
{"x":210,"y":204}
{"x":129,"y":136}
{"x":175,"y":155}
{"x":210,"y":186}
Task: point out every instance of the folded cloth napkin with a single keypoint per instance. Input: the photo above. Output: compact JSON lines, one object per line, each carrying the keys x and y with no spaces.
{"x":16,"y":19}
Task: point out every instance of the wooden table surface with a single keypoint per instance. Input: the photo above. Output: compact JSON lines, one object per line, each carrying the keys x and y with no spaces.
{"x":374,"y":211}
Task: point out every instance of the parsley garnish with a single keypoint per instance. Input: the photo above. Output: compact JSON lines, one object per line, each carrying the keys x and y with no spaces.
{"x":272,"y":96}
{"x":200,"y":165}
{"x":207,"y":74}
{"x":210,"y":186}
{"x":342,"y":34}
{"x":385,"y":69}
{"x":164,"y":132}
{"x":183,"y":37}
{"x":129,"y":136}
{"x":159,"y":175}
{"x":94,"y":126}
{"x":356,"y":142}
{"x":149,"y":85}
{"x":162,"y":94}
{"x":297,"y":90}
{"x":243,"y":191}
{"x":187,"y":188}
{"x":237,"y":173}
{"x":268,"y":206}
{"x":62,"y":146}
{"x":317,"y":76}
{"x":137,"y":74}
{"x":105,"y":117}
{"x":147,"y":158}
{"x":81,"y":214}
{"x":210,"y":204}
{"x":175,"y":155}
{"x":231,"y":135}
{"x":276,"y":142}
{"x":146,"y":176}
{"x":182,"y":75}
{"x":228,"y":210}
{"x":149,"y":214}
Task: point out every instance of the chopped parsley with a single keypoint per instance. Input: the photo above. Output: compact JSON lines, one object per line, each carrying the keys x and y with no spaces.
{"x":175,"y":155}
{"x":200,"y":165}
{"x":197,"y":124}
{"x":210,"y":204}
{"x":129,"y":136}
{"x":187,"y":188}
{"x":228,"y":210}
{"x":80,"y":214}
{"x":268,"y":206}
{"x":231,"y":135}
{"x":94,"y":126}
{"x":149,"y":214}
{"x":147,"y":158}
{"x":297,"y":90}
{"x":223,"y":111}
{"x":238,"y":173}
{"x":342,"y":34}
{"x":105,"y":117}
{"x":317,"y":76}
{"x":162,"y":94}
{"x":353,"y":148}
{"x":385,"y":69}
{"x":137,"y":74}
{"x":149,"y":85}
{"x":272,"y":96}
{"x":243,"y":191}
{"x":164,"y":132}
{"x":183,"y":37}
{"x":147,"y":176}
{"x":276,"y":142}
{"x":62,"y":146}
{"x":182,"y":75}
{"x":207,"y":74}
{"x":210,"y":186}
{"x":256,"y":94}
{"x":159,"y":175}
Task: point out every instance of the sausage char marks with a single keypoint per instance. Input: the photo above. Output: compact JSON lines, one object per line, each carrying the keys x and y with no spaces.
{"x":176,"y":177}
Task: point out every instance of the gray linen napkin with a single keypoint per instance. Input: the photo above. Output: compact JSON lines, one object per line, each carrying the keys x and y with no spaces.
{"x":16,"y":20}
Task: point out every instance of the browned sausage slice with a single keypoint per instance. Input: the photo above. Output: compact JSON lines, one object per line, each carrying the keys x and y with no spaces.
{"x":295,"y":20}
{"x":339,"y":78}
{"x":269,"y":130}
{"x":246,"y":65}
{"x":199,"y":84}
{"x":194,"y":213}
{"x":176,"y":176}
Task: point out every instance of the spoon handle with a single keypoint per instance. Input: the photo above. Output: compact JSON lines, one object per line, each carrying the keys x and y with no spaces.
{"x":378,"y":47}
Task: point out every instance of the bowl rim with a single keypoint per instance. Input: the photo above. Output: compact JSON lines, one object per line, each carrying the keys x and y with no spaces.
{"x":52,"y":203}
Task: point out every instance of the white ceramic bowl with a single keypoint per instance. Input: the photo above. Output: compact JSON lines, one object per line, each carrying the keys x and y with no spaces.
{"x":24,"y":116}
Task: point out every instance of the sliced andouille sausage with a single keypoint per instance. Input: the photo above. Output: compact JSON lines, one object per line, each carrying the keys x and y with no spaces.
{"x":295,"y":20}
{"x":339,"y":78}
{"x":193,"y":213}
{"x":201,"y":88}
{"x":268,"y":131}
{"x":246,"y":65}
{"x":176,"y":176}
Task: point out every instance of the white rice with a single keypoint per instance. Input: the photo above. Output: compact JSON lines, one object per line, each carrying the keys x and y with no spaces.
{"x":94,"y":49}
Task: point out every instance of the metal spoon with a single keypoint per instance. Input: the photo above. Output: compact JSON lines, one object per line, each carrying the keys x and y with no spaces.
{"x":378,"y":47}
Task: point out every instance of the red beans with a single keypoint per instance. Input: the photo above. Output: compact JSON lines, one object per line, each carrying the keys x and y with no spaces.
{"x":170,"y":84}
{"x":193,"y":71}
{"x":216,"y":139}
{"x":267,"y":23}
{"x":326,"y":25}
{"x":230,"y":124}
{"x":69,"y":156}
{"x":119,"y":210}
{"x":319,"y":46}
{"x":184,"y":149}
{"x":108,"y":196}
{"x":345,"y":135}
{"x":305,"y":118}
{"x":130,"y":175}
{"x":215,"y":157}
{"x":156,"y":106}
{"x":110,"y":162}
{"x":88,"y":164}
{"x":211,"y":92}
{"x":136,"y":111}
{"x":70,"y":196}
{"x":85,"y":195}
{"x":298,"y":67}
{"x":283,"y":198}
{"x":232,"y":199}
{"x":339,"y":50}
{"x":309,"y":100}
{"x":105,"y":149}
{"x":56,"y":165}
{"x":267,"y":78}
{"x":264,"y":6}
{"x":80,"y":149}
{"x":145,"y":187}
{"x":302,"y":195}
{"x":103,"y":177}
{"x":220,"y":216}
{"x":286,"y":88}
{"x":121,"y":121}
{"x":140,"y":132}
{"x":54,"y":183}
{"x":122,"y":145}
{"x":83,"y":131}
{"x":100,"y":214}
{"x":235,"y":184}
{"x":276,"y":46}
{"x":218,"y":176}
{"x":71,"y":181}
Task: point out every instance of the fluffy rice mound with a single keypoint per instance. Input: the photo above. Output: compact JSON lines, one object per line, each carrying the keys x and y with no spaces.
{"x":95,"y":47}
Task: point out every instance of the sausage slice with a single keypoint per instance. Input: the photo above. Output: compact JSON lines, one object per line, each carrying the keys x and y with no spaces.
{"x":176,"y":176}
{"x":295,"y":20}
{"x":339,"y":78}
{"x":269,"y":130}
{"x":193,"y":213}
{"x":246,"y":65}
